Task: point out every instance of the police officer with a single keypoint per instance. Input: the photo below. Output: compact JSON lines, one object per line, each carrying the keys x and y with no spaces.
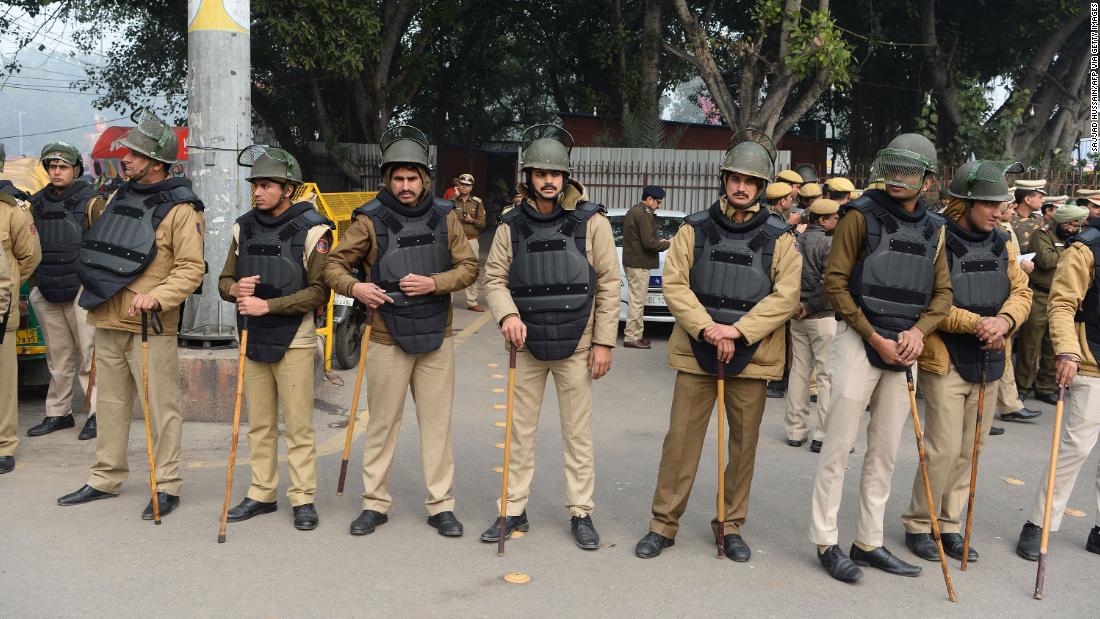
{"x":20,"y":254}
{"x":1010,"y":407}
{"x":1074,"y":311}
{"x":552,"y":283}
{"x":143,"y":254}
{"x":411,"y":253}
{"x":642,"y":248}
{"x":808,"y":194}
{"x":1028,"y":200}
{"x":60,"y":211}
{"x":887,"y":277}
{"x":991,"y":299}
{"x":812,"y":329}
{"x":273,"y":274}
{"x":840,"y":189}
{"x":1034,"y":351}
{"x":472,"y":212}
{"x":731,"y":280}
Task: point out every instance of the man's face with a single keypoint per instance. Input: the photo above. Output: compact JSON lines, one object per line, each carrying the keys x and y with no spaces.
{"x":464,"y":190}
{"x":268,"y":194}
{"x":1034,"y":201}
{"x":1006,"y":210}
{"x":1094,"y":210}
{"x":741,"y":189}
{"x":1067,"y":230}
{"x":406,"y":185}
{"x":133,"y":163}
{"x":1048,"y":213}
{"x":61,"y":174}
{"x":786,"y":203}
{"x":983,"y":215}
{"x":547,"y":183}
{"x":652,"y":203}
{"x":517,"y":199}
{"x":829,"y":222}
{"x":904,"y":194}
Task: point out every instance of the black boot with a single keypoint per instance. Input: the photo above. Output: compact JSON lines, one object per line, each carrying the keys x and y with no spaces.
{"x":88,"y":432}
{"x":52,"y":424}
{"x":368,"y":521}
{"x":166,"y":503}
{"x":250,"y":507}
{"x":735,"y":548}
{"x":1092,"y":544}
{"x":7,"y":464}
{"x":1027,"y":547}
{"x":1024,"y":414}
{"x":584,"y":533}
{"x":922,"y":545}
{"x":305,"y":517}
{"x":953,"y":546}
{"x":651,"y":545}
{"x":884,"y":560}
{"x":1047,"y":397}
{"x":511,"y":523}
{"x":446,"y":524}
{"x":839,"y":565}
{"x":85,"y":494}
{"x":996,"y":431}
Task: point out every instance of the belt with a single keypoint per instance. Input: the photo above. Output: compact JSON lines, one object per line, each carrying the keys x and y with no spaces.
{"x":1039,"y":288}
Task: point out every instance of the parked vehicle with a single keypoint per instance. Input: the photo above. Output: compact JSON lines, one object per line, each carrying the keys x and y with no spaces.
{"x":668,"y":222}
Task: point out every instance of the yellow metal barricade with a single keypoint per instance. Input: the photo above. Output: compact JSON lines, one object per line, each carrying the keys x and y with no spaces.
{"x":337,"y":207}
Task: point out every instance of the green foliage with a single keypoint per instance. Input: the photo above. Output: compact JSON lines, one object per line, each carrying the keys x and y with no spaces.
{"x":817,"y":42}
{"x":334,"y":36}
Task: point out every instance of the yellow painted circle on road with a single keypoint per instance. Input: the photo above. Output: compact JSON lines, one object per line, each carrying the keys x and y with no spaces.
{"x":498,"y":375}
{"x":498,"y":390}
{"x":500,"y":407}
{"x":498,"y":469}
{"x":499,"y":445}
{"x":499,"y":424}
{"x":1014,"y":481}
{"x":494,"y":365}
{"x":517,"y":578}
{"x":517,"y":534}
{"x":1076,"y":513}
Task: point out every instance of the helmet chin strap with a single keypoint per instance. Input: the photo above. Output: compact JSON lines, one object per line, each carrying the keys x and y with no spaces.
{"x":140,"y":175}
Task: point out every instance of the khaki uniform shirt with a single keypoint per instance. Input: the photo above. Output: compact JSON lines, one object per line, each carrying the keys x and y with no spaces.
{"x":1072,"y":279}
{"x":173,"y":275}
{"x":303,"y":302}
{"x":642,"y":246}
{"x":764,"y":322}
{"x":475,"y":208}
{"x":848,"y":248}
{"x":603,"y":323}
{"x":359,"y":248}
{"x":1048,"y":248}
{"x":22,"y":252}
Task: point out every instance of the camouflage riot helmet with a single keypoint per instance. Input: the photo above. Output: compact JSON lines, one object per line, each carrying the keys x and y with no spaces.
{"x":404,"y":144}
{"x":151,"y":137}
{"x":983,"y":180}
{"x":545,"y":147}
{"x":751,"y":152}
{"x":270,"y":163}
{"x":905,"y":162}
{"x":61,"y":151}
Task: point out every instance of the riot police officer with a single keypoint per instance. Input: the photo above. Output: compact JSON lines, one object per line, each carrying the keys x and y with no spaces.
{"x":273,"y":274}
{"x":412,"y":253}
{"x":552,"y":284}
{"x":60,"y":212}
{"x":731,"y":279}
{"x":143,"y":254}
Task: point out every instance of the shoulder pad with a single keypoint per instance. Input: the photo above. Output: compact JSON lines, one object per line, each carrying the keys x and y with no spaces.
{"x":585,"y":210}
{"x":778,"y":225}
{"x":1002,"y":235}
{"x":246,"y":218}
{"x":367,"y":209}
{"x":698,"y":218}
{"x":446,"y":205}
{"x":937,"y":219}
{"x":313,"y":218}
{"x":511,"y":214}
{"x":476,"y":199}
{"x":861,"y":204}
{"x":1089,"y":236}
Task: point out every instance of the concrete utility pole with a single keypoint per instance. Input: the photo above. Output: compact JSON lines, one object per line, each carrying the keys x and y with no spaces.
{"x":219,"y":119}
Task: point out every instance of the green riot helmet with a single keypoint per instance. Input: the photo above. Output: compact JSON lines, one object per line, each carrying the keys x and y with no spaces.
{"x":545,"y":147}
{"x":151,"y":137}
{"x":905,"y":161}
{"x":62,"y":151}
{"x":751,"y":152}
{"x":983,"y":180}
{"x":404,"y":144}
{"x":807,"y":172}
{"x":269,"y":162}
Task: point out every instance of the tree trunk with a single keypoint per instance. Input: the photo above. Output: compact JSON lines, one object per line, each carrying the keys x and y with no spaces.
{"x":349,"y":169}
{"x":649,"y":64}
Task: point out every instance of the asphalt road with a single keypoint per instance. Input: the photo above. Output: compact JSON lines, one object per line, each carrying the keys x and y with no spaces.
{"x":101,"y":559}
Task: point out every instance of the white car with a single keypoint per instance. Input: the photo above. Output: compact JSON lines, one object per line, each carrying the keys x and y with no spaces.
{"x":668,"y":222}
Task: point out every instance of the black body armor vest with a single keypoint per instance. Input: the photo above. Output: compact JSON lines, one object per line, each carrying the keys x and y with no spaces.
{"x":551,"y":280}
{"x":731,"y":273}
{"x":1090,"y":307}
{"x":60,"y":223}
{"x":123,"y":240}
{"x":411,"y":241}
{"x":273,"y":248}
{"x":979,"y":276}
{"x":894,"y":281}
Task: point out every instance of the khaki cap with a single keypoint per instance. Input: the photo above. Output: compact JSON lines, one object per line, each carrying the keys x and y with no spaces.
{"x":824,"y":206}
{"x":1086,"y":193}
{"x":1054,"y":199}
{"x":839,"y":183}
{"x":778,"y":190}
{"x":810,"y":190}
{"x":1029,"y":185}
{"x":790,"y":176}
{"x":466,"y":179}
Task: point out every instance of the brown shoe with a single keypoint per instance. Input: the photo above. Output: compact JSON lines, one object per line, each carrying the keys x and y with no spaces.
{"x":640,"y":344}
{"x":476,"y":308}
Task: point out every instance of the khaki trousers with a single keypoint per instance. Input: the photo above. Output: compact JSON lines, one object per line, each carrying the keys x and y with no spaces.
{"x":391,"y":373}
{"x":1082,"y":427}
{"x":637,"y":284}
{"x":692,"y":404}
{"x":288,"y":382}
{"x":67,"y":332}
{"x":810,"y":341}
{"x":573,"y":381}
{"x":1034,"y":350}
{"x":855,"y":383}
{"x":472,"y":290}
{"x":9,"y":403}
{"x":1008,"y":396}
{"x":950,"y":411}
{"x":118,"y":372}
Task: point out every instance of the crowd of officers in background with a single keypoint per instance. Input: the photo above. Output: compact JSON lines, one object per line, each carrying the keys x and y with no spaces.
{"x":838,"y":294}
